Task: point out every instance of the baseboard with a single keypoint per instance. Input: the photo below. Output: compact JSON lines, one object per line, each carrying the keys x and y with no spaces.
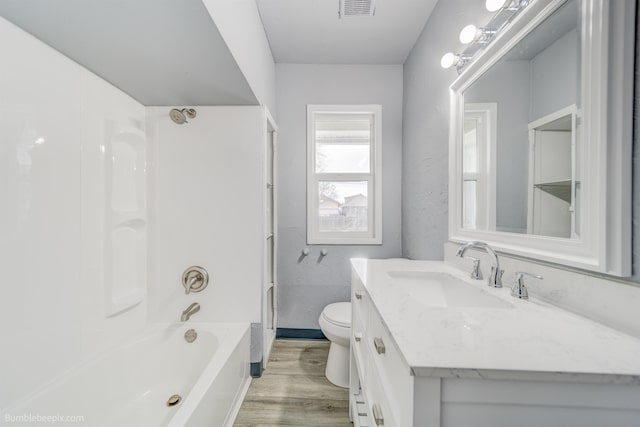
{"x":300,"y":334}
{"x":267,"y":347}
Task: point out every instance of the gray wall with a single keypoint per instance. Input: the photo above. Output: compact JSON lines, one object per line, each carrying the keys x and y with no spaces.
{"x":306,"y":285}
{"x":426,"y":128}
{"x":553,"y":77}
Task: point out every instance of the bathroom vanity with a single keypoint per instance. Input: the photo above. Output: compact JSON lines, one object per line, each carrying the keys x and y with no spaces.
{"x":432,"y":347}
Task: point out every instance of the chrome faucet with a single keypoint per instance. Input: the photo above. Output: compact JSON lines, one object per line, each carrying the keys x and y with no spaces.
{"x":193,"y":308}
{"x":519,"y":290}
{"x":495,"y":278}
{"x":476,"y":273}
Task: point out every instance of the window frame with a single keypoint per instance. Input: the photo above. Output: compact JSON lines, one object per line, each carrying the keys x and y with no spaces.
{"x":373,"y":236}
{"x":485,"y":113}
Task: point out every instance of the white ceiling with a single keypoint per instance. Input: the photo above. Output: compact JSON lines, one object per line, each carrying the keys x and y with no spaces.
{"x":309,"y":31}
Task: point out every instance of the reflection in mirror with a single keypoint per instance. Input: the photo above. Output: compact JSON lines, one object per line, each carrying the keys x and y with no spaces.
{"x":552,"y":185}
{"x":478,"y":166}
{"x":520,"y":140}
{"x":470,"y":170}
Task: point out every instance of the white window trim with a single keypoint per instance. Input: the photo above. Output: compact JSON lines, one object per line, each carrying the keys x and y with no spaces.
{"x":374,"y":235}
{"x":487,"y":112}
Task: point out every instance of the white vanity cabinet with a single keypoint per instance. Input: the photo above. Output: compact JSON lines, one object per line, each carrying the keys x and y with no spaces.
{"x":381,"y":384}
{"x":509,"y":364}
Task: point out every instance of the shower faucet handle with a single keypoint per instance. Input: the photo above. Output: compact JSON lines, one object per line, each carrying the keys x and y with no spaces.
{"x":194,"y":279}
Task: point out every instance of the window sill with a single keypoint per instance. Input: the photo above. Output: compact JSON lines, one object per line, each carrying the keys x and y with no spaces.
{"x":345,"y":241}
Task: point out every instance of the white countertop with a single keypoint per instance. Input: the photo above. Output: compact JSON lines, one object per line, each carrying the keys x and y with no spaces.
{"x":524,"y":339}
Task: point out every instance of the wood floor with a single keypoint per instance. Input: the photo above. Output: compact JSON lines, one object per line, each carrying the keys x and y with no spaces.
{"x":293,"y":390}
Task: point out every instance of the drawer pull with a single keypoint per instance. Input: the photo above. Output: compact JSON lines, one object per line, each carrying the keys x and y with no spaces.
{"x":379,"y":344}
{"x":377,"y":415}
{"x":358,"y":295}
{"x":357,"y":337}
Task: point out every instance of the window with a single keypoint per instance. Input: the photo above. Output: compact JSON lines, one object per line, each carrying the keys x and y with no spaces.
{"x":344,"y":203}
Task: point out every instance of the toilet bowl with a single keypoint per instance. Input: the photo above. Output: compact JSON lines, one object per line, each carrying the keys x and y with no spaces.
{"x":335,"y":323}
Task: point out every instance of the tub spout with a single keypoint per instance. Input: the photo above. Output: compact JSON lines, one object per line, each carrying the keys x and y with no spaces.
{"x":193,"y":308}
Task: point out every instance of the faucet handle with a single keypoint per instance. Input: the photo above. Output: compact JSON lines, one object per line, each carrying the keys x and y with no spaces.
{"x":476,"y":273}
{"x":519,"y":290}
{"x":495,"y":279}
{"x":194,"y":279}
{"x":520,"y":274}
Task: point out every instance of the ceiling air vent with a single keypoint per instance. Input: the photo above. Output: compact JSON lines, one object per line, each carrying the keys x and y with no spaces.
{"x":357,"y":8}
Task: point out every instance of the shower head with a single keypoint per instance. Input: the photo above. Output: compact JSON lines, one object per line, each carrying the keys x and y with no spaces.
{"x":177,"y":116}
{"x":180,"y":116}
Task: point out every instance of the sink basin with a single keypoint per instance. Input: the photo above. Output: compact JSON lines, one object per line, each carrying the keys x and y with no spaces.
{"x":435,"y":289}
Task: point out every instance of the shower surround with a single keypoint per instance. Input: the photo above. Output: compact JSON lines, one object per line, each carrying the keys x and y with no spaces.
{"x":103,"y":204}
{"x":58,"y":121}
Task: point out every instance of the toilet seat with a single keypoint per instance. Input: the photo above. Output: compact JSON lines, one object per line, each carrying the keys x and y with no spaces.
{"x":338,"y":314}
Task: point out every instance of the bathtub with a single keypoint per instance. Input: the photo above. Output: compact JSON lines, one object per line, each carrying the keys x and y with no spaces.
{"x":131,"y":385}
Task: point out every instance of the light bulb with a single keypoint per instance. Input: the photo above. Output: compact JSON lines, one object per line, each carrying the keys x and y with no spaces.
{"x":493,"y":5}
{"x":449,"y":60}
{"x":469,"y":34}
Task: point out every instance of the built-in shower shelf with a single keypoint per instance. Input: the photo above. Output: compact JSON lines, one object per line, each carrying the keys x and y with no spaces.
{"x":125,"y":215}
{"x":124,"y":302}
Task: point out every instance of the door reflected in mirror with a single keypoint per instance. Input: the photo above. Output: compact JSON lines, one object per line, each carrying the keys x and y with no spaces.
{"x":521,"y":145}
{"x":553,"y":189}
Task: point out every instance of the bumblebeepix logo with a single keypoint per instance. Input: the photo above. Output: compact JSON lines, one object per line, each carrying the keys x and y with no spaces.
{"x":12,"y":419}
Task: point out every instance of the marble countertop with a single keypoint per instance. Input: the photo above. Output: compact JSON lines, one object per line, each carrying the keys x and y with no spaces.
{"x":516,"y":339}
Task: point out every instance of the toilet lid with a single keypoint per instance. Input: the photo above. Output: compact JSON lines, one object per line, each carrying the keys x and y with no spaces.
{"x":338,"y":313}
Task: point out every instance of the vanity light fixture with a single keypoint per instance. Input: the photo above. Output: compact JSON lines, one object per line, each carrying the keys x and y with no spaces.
{"x":476,"y":38}
{"x":471,"y":34}
{"x":493,"y":5}
{"x":511,"y":5}
{"x":450,"y":59}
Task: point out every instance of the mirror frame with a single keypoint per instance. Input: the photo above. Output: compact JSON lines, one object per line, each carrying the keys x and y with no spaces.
{"x":607,"y":67}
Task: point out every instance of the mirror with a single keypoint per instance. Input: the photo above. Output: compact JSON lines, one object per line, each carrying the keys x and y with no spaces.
{"x":540,"y":143}
{"x":524,"y":109}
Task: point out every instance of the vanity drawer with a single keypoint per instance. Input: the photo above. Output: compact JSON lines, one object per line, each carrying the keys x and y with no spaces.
{"x":380,"y":411}
{"x":394,"y":375}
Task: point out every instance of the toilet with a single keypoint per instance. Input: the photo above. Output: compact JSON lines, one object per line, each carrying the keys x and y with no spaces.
{"x":335,"y":323}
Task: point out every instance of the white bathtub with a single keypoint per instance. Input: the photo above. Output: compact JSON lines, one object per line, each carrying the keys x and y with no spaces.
{"x":130,"y":385}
